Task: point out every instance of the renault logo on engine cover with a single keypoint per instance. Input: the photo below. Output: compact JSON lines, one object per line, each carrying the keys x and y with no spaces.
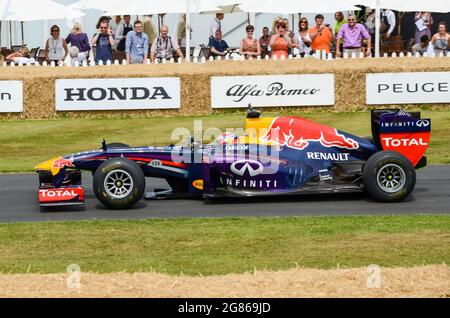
{"x":253,"y":167}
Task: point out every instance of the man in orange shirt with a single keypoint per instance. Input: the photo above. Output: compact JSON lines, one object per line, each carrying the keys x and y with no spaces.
{"x":321,"y":35}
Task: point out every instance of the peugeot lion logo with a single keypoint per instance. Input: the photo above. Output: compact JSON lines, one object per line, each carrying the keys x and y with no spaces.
{"x":253,"y":167}
{"x":423,"y":123}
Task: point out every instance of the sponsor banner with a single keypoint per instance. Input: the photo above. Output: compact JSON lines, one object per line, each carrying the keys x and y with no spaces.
{"x":61,"y":195}
{"x":406,"y":135}
{"x":272,"y":90}
{"x":11,"y":96}
{"x":117,"y":94}
{"x":405,"y":124}
{"x":408,"y":88}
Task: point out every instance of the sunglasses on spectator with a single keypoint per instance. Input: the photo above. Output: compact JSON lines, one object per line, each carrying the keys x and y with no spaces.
{"x":55,"y":30}
{"x":103,"y":28}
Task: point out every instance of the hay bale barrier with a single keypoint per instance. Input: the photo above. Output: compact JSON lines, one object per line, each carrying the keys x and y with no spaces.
{"x":350,"y":74}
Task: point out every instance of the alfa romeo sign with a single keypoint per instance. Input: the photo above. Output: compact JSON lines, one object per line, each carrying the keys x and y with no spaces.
{"x":273,"y":90}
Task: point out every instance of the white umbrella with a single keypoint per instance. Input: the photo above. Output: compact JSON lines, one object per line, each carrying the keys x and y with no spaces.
{"x":89,"y":4}
{"x":409,"y":5}
{"x":289,"y":6}
{"x":25,"y":10}
{"x":232,"y":8}
{"x":137,"y":7}
{"x":401,"y":5}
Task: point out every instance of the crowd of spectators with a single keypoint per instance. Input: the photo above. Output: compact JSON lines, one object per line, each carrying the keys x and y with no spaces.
{"x":139,"y":40}
{"x":351,"y":35}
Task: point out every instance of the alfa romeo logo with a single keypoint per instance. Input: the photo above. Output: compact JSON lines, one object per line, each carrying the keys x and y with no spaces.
{"x":254,"y":168}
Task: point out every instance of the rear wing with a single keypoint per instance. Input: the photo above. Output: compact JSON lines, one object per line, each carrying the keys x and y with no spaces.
{"x":403,"y":132}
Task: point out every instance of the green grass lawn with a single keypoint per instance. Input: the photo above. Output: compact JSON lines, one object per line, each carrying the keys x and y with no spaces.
{"x":26,"y":143}
{"x":220,"y":246}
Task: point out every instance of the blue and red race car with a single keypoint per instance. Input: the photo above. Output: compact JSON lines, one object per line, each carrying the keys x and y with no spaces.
{"x":276,"y":156}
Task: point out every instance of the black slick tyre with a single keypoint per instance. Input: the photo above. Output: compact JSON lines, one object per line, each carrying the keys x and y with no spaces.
{"x":119,"y":183}
{"x":389,"y":176}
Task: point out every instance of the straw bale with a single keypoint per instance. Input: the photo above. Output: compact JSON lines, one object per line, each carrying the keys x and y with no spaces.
{"x":423,"y":281}
{"x":39,"y":82}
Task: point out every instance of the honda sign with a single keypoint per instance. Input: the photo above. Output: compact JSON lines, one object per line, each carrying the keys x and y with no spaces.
{"x":117,"y":94}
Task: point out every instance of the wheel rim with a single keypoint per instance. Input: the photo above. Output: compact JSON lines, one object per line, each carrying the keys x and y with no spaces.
{"x":118,"y":184}
{"x":391,"y":178}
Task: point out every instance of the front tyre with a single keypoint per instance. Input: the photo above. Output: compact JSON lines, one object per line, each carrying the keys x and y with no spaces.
{"x":119,"y":183}
{"x":389,"y":176}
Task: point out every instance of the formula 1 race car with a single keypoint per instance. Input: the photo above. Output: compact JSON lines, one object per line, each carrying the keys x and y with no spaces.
{"x":276,"y":156}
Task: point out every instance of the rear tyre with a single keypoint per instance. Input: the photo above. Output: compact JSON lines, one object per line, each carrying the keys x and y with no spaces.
{"x":119,"y":183}
{"x":389,"y":176}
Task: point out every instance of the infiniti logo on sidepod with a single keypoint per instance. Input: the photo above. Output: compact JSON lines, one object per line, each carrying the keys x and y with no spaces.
{"x":253,"y":167}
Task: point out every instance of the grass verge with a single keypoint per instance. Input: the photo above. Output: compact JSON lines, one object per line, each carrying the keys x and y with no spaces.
{"x":27,"y":143}
{"x":222,"y":246}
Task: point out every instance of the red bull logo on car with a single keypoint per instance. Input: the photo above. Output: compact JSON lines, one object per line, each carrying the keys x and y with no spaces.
{"x":298,"y":133}
{"x":62,"y":163}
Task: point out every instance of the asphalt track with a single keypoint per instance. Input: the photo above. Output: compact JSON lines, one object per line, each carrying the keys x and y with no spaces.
{"x":18,"y":199}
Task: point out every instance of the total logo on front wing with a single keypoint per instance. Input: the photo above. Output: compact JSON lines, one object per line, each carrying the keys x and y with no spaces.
{"x":61,"y":195}
{"x":58,"y":193}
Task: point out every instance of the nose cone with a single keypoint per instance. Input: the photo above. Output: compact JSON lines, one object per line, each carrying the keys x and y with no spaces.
{"x":49,"y":165}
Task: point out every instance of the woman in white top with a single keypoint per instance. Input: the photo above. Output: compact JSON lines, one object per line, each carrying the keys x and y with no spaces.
{"x":303,"y":38}
{"x":56,"y":47}
{"x":441,"y":40}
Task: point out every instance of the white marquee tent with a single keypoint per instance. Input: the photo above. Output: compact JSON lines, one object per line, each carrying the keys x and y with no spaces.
{"x":25,"y":10}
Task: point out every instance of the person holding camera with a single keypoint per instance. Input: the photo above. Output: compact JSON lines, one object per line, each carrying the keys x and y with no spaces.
{"x":104,"y":42}
{"x":264,"y":42}
{"x":321,"y":35}
{"x":280,"y":42}
{"x":303,"y":38}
